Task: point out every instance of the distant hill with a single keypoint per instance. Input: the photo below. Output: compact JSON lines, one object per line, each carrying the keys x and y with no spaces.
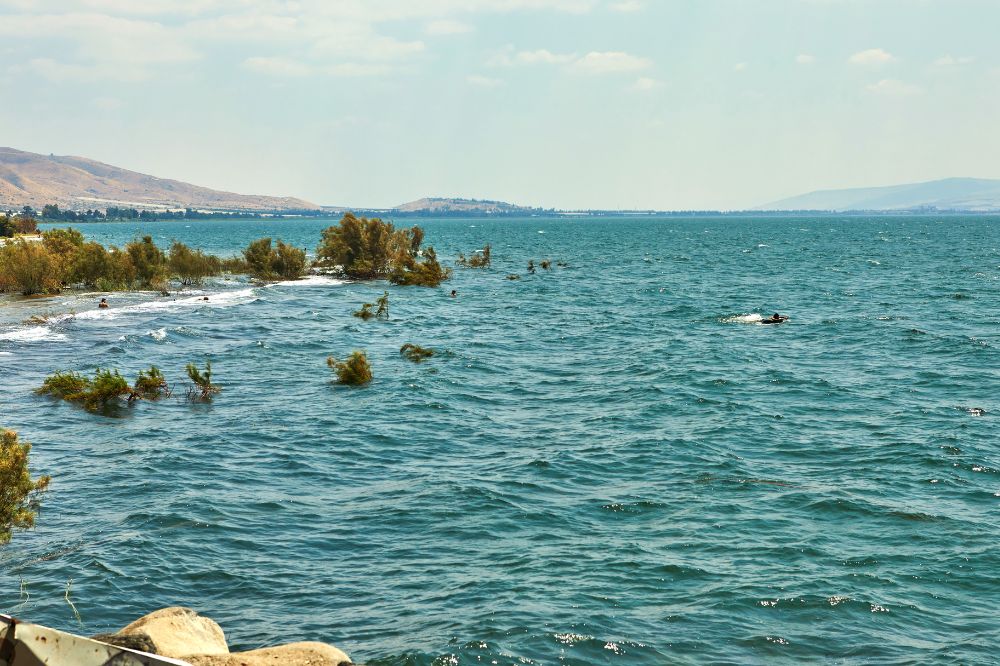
{"x":443,"y":205}
{"x":974,"y":194}
{"x":76,"y":183}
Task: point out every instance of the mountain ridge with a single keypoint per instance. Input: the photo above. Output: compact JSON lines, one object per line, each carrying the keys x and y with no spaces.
{"x":73,"y":182}
{"x":970,"y":194}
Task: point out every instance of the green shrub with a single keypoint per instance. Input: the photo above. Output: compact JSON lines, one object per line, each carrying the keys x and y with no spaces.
{"x":203,"y":388}
{"x":192,"y":266}
{"x":383,"y":305}
{"x":19,"y":494}
{"x":354,"y":371}
{"x":268,"y":263}
{"x":546,"y":264}
{"x":479,"y":259}
{"x":29,"y":268}
{"x":531,"y":265}
{"x":367,"y":249}
{"x":513,"y":276}
{"x":424,"y":273}
{"x":365,"y":312}
{"x":101,"y":268}
{"x":416,"y":353}
{"x":64,"y":385}
{"x":235,"y":265}
{"x":148,"y":261}
{"x":151,"y":384}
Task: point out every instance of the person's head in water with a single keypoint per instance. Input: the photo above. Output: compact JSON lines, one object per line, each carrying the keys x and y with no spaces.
{"x":776,"y":316}
{"x":103,"y":303}
{"x":454,"y":293}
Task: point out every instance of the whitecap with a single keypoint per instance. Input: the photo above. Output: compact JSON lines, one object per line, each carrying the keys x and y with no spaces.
{"x":219,"y":300}
{"x":311,"y":281}
{"x":32,"y":334}
{"x":754,"y":318}
{"x":158,"y":334}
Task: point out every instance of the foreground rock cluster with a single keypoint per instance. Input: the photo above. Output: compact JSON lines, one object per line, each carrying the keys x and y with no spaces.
{"x":181,"y":633}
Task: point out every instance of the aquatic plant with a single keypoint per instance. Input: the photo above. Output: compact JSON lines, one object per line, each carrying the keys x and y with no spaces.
{"x":64,"y":385}
{"x":203,"y":388}
{"x":416,"y":353}
{"x":424,"y":273}
{"x":513,"y":276}
{"x":29,"y":268}
{"x":268,"y":263}
{"x":546,"y":264}
{"x":355,"y":371}
{"x":192,"y":266}
{"x":148,"y":262}
{"x":19,"y":494}
{"x":150,"y":384}
{"x":531,"y":265}
{"x":479,"y":259}
{"x":365,"y":312}
{"x":562,"y":264}
{"x":383,"y":305}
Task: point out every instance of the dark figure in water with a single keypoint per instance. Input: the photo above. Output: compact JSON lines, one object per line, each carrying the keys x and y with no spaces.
{"x":454,"y":293}
{"x":775,"y":319}
{"x":103,"y":303}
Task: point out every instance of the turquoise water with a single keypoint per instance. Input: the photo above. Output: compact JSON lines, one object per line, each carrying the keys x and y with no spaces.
{"x":608,"y":463}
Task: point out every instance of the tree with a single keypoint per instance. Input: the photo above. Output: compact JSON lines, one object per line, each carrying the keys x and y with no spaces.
{"x":367,"y":249}
{"x":424,"y":273}
{"x":480,"y":259}
{"x":149,"y":262}
{"x":267,"y":263}
{"x":29,"y":268}
{"x":192,"y":266}
{"x":203,"y":388}
{"x":19,"y":494}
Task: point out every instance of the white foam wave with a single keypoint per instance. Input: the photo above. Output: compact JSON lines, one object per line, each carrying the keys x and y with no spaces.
{"x":219,"y":300}
{"x":311,"y":281}
{"x":158,"y":334}
{"x":754,"y":318}
{"x":32,"y":334}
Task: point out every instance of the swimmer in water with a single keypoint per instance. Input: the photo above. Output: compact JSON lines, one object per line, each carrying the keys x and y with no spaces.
{"x":775,"y":319}
{"x":103,"y":303}
{"x":454,"y":293}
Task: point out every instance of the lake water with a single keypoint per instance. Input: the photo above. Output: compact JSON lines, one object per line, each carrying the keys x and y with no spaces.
{"x":609,"y":462}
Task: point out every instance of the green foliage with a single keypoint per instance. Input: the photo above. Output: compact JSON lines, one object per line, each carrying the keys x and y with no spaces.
{"x":64,"y":385}
{"x":29,"y":268}
{"x":416,"y":353}
{"x":11,"y":226}
{"x":192,"y":266}
{"x":424,"y":273}
{"x":107,"y":387}
{"x":148,"y":262}
{"x":365,"y":312}
{"x":151,"y":384}
{"x":203,"y":388}
{"x":355,"y":371}
{"x":19,"y":494}
{"x":513,"y":276}
{"x":479,"y":259}
{"x":383,"y":305}
{"x":367,"y":249}
{"x":99,"y":268}
{"x":546,"y":264}
{"x":268,"y":263}
{"x":235,"y":265}
{"x":531,"y":265}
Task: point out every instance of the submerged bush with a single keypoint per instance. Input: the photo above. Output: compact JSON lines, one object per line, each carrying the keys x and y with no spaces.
{"x":424,"y":273}
{"x":107,"y":387}
{"x":19,"y":494}
{"x":203,"y":388}
{"x":29,"y":268}
{"x":101,"y":268}
{"x":416,"y":353}
{"x":192,"y":266}
{"x":151,"y":384}
{"x":546,"y":264}
{"x":365,"y":312}
{"x":354,"y":371}
{"x":268,"y":263}
{"x":531,"y":265}
{"x":383,"y":308}
{"x":148,"y":262}
{"x":479,"y":259}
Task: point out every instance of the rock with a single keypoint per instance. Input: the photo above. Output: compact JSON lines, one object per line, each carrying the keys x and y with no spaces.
{"x":176,"y":632}
{"x":293,"y":654}
{"x":139,"y":641}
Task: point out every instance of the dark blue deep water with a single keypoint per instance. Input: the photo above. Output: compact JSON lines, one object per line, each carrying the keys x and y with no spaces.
{"x":606,"y":463}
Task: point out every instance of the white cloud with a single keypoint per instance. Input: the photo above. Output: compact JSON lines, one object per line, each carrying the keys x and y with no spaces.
{"x":483,"y":81}
{"x":872,"y":57}
{"x":278,"y":66}
{"x":447,"y":27}
{"x":543,"y":56}
{"x":609,"y":62}
{"x":805,"y":59}
{"x":626,"y":6}
{"x":894,"y":87}
{"x":952,"y":61}
{"x":645,"y":84}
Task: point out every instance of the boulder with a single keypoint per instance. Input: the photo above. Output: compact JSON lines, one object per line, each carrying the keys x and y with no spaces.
{"x":293,"y":654}
{"x":139,"y":641}
{"x":176,"y":632}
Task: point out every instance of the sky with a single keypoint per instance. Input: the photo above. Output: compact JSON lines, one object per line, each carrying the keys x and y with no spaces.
{"x":612,"y":104}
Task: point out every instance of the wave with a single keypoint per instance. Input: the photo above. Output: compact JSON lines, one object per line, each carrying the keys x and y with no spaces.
{"x":311,"y":281}
{"x":754,"y":318}
{"x":217,"y":300}
{"x":32,"y":334}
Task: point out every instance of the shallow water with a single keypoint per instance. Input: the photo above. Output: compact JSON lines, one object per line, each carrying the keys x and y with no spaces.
{"x":610,"y":462}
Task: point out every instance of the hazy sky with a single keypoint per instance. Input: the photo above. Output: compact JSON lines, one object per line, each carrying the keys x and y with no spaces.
{"x":669,"y":104}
